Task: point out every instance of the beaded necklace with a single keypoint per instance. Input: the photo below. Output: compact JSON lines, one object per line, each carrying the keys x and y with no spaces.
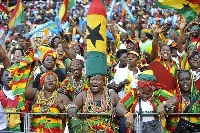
{"x":99,"y":123}
{"x":78,"y":85}
{"x":91,"y":107}
{"x":44,"y":103}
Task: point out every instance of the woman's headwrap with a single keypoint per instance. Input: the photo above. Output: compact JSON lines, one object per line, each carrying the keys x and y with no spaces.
{"x":43,"y":76}
{"x":135,"y":53}
{"x":147,"y":80}
{"x":47,"y":51}
{"x":191,"y":45}
{"x":146,"y":31}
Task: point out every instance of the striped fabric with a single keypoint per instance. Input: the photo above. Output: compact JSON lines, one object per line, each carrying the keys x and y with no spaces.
{"x":51,"y":123}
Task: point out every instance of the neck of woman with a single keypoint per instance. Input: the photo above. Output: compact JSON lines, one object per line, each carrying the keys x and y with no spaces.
{"x":97,"y":95}
{"x":186,"y":94}
{"x":133,"y":69}
{"x":77,"y":78}
{"x":47,"y":94}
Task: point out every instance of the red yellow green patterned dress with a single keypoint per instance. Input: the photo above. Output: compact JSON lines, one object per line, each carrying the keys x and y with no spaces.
{"x":46,"y":123}
{"x":102,"y":124}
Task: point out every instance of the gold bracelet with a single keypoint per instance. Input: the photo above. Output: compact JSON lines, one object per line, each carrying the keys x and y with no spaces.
{"x":128,"y":114}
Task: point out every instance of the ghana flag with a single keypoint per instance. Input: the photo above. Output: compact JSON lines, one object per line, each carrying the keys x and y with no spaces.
{"x":188,"y":8}
{"x":96,"y":39}
{"x":63,"y":10}
{"x":21,"y":77}
{"x":17,"y":15}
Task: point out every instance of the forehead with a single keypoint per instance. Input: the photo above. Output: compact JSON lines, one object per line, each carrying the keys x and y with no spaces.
{"x":165,"y":47}
{"x":97,"y":76}
{"x":49,"y":57}
{"x":50,"y":76}
{"x":18,"y":51}
{"x":5,"y":72}
{"x":184,"y":75}
{"x":146,"y":90}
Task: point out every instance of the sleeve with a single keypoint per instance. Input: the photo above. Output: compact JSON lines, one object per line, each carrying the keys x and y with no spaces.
{"x":162,"y":94}
{"x":128,"y":99}
{"x":36,"y":83}
{"x":116,"y":77}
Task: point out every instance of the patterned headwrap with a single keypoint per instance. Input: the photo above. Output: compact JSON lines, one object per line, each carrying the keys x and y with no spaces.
{"x":147,"y":80}
{"x":43,"y":76}
{"x":146,"y":31}
{"x":47,"y":51}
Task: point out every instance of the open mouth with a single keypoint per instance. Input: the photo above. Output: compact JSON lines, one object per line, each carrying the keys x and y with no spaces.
{"x":165,"y":55}
{"x":94,"y":86}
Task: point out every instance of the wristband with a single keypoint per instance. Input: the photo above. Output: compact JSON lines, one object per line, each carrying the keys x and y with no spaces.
{"x":128,"y":114}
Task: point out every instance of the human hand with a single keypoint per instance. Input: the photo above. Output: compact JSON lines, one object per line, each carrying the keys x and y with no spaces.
{"x":113,"y":113}
{"x":61,"y":107}
{"x":161,"y":111}
{"x":72,"y":112}
{"x":129,"y":122}
{"x":62,"y":90}
{"x":159,"y":29}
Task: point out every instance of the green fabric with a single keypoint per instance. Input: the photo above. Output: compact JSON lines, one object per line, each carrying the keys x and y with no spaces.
{"x":96,"y":64}
{"x":15,"y":129}
{"x":191,"y":45}
{"x":147,"y":77}
{"x":187,"y":12}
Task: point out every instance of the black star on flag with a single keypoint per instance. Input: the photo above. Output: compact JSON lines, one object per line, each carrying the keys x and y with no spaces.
{"x":94,"y":34}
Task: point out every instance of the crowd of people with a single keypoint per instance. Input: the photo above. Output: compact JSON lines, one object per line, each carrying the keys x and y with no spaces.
{"x":153,"y":67}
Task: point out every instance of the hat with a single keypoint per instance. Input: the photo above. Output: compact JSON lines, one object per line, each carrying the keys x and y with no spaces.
{"x":134,"y":52}
{"x":191,"y":45}
{"x":47,"y":51}
{"x":146,"y":31}
{"x":147,"y":76}
{"x":96,"y":39}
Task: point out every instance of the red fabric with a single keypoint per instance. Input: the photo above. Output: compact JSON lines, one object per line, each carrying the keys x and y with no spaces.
{"x":194,"y":1}
{"x":2,"y":8}
{"x":7,"y":102}
{"x":97,"y":8}
{"x":197,"y":84}
{"x":45,"y":75}
{"x":147,"y":84}
{"x":163,"y":76}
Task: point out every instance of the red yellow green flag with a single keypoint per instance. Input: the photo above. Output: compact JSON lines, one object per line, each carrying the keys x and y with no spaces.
{"x":188,"y":8}
{"x":21,"y":77}
{"x":17,"y":15}
{"x":96,"y":39}
{"x":63,"y":10}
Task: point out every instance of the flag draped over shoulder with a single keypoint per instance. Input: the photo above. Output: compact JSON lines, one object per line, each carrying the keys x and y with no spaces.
{"x":96,"y":39}
{"x":188,"y":8}
{"x":63,"y":10}
{"x":2,"y":8}
{"x":17,"y":15}
{"x":21,"y":76}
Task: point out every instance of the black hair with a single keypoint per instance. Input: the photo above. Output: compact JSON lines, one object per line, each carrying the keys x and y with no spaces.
{"x":20,"y":49}
{"x":120,"y":52}
{"x":52,"y":41}
{"x":192,"y":55}
{"x":81,"y":50}
{"x":171,"y":49}
{"x":183,"y":71}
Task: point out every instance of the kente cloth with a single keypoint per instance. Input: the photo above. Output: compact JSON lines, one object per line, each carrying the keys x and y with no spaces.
{"x":46,"y":123}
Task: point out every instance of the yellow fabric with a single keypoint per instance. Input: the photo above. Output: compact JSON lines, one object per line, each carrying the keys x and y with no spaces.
{"x":13,"y":119}
{"x":147,"y":72}
{"x":127,"y":87}
{"x":179,"y":4}
{"x":47,"y":51}
{"x":93,"y":22}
